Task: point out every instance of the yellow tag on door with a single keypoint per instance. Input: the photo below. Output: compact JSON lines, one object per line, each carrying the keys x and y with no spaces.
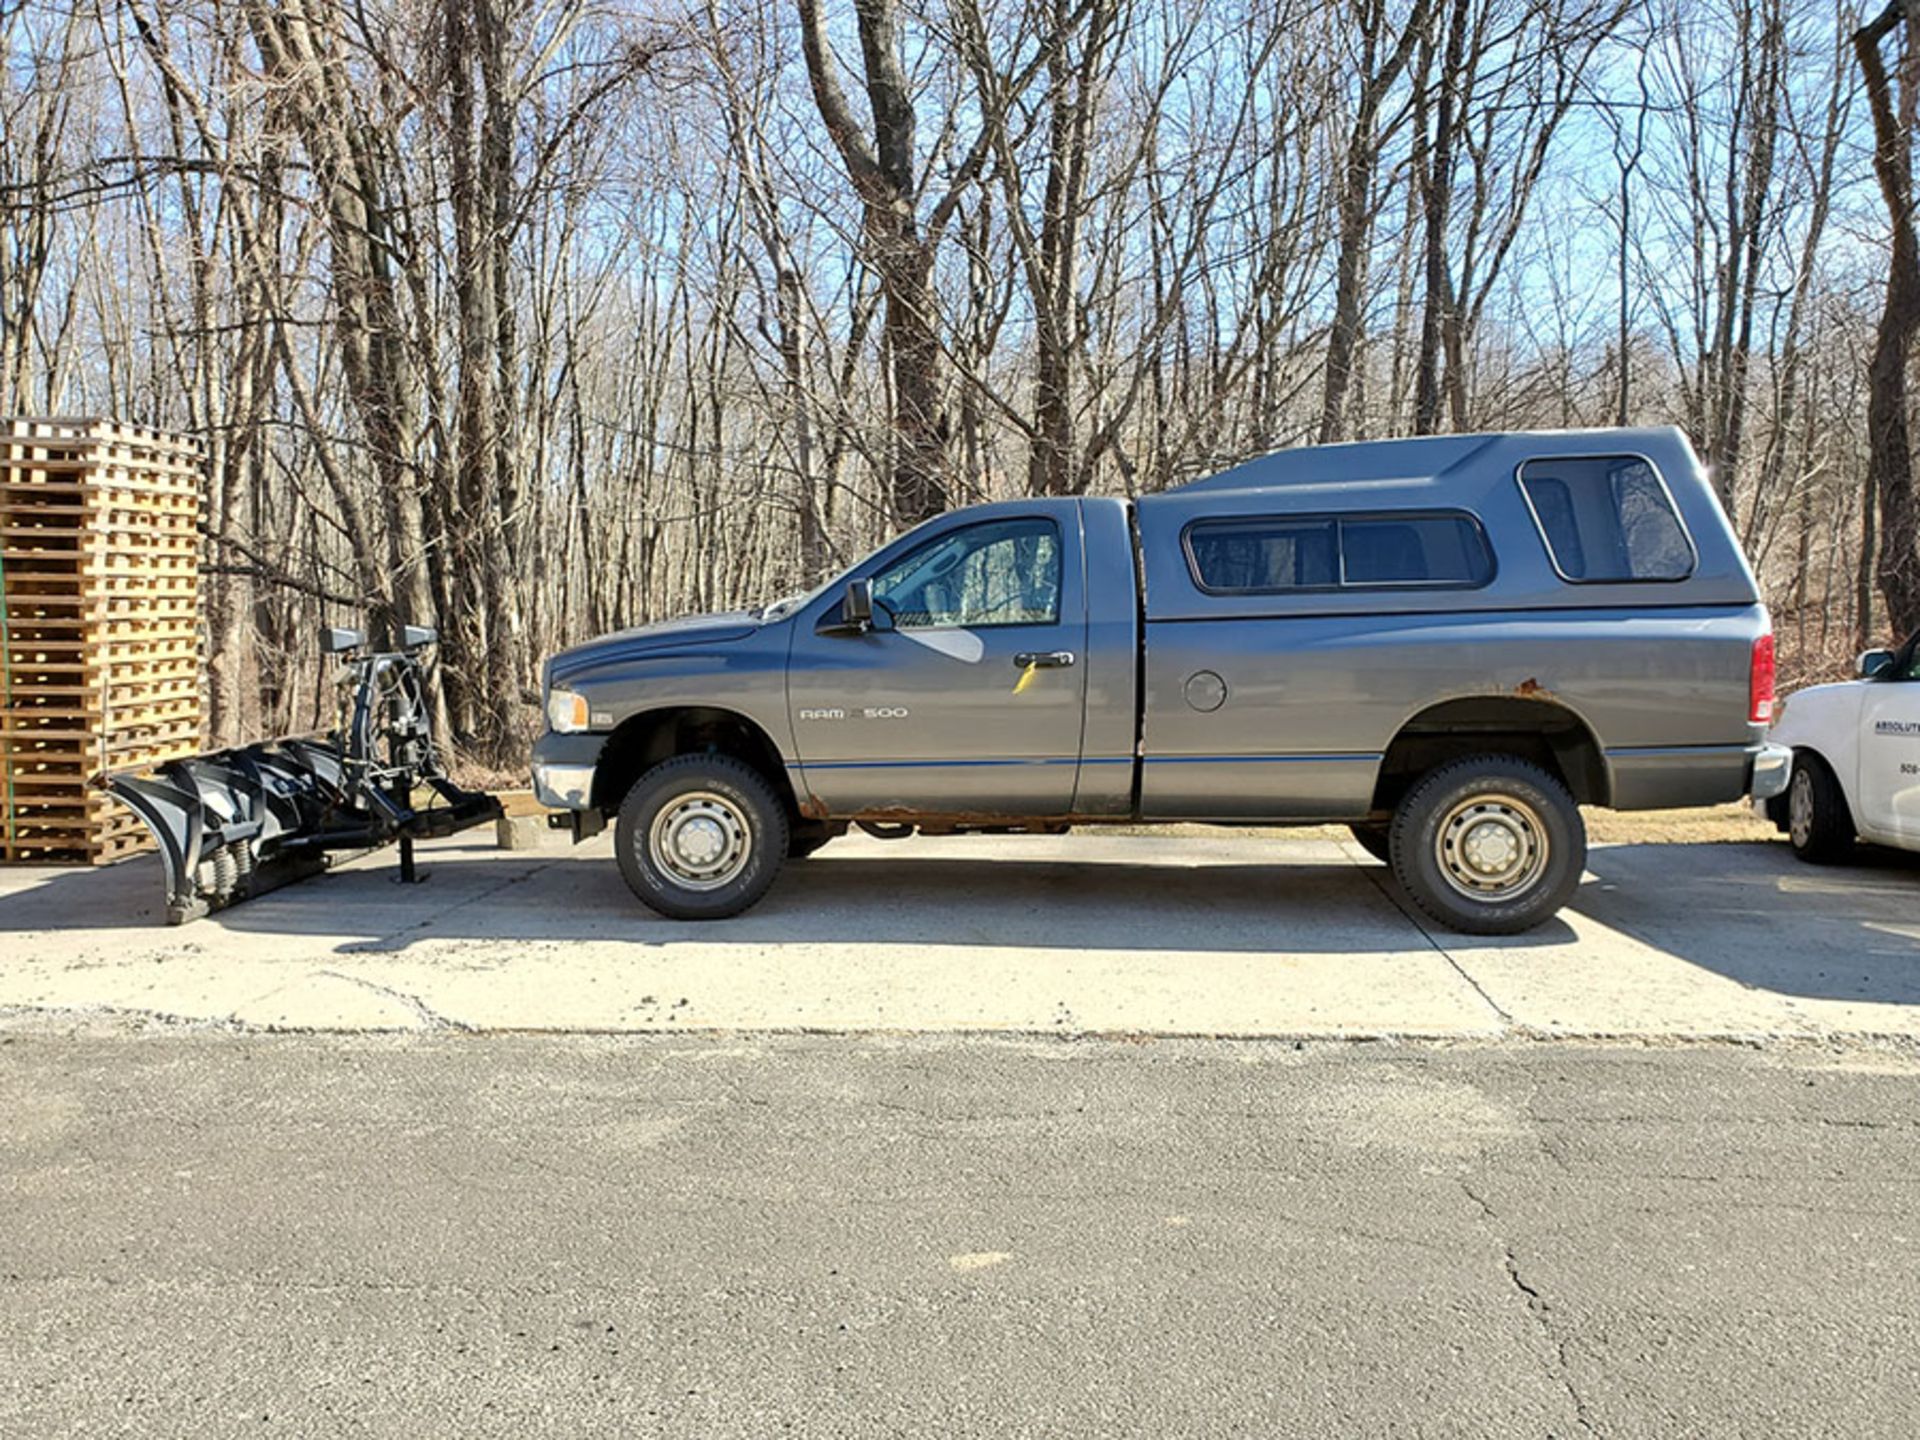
{"x":1026,"y":678}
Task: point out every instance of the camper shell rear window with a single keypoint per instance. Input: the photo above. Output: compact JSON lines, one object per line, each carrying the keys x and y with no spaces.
{"x":1607,"y":519}
{"x":1370,"y":550}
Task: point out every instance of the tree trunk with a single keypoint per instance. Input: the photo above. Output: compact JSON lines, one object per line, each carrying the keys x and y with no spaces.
{"x":1747,"y":219}
{"x":1357,"y":173}
{"x":883,"y":176}
{"x":1437,"y":185}
{"x":381,"y":377}
{"x":1053,"y":467}
{"x":1893,"y":104}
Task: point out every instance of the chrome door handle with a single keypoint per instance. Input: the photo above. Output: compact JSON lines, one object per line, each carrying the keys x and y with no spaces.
{"x":1043,"y":659}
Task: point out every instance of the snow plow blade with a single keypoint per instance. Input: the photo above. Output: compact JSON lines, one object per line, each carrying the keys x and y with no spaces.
{"x":233,"y":824}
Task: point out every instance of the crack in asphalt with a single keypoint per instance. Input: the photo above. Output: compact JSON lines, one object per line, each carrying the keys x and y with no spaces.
{"x":1540,"y":1310}
{"x":1547,"y":1132}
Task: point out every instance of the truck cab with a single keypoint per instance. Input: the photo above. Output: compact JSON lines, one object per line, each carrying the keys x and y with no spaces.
{"x":1448,"y":644}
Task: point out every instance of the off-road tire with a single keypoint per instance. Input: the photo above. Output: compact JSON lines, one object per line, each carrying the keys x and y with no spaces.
{"x":1529,"y":809}
{"x":745,"y":808}
{"x":1828,"y":834}
{"x":1376,"y":840}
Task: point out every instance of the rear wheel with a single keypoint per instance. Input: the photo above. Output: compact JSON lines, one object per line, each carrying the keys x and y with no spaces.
{"x":701,"y":837}
{"x":1488,"y":845}
{"x":1376,"y":840}
{"x":1818,"y":821}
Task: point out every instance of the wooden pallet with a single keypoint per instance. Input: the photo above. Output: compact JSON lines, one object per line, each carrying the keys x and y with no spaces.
{"x":100,"y":662}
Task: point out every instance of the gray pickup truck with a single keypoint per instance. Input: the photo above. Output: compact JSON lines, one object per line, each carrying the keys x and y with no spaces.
{"x":1448,"y":644}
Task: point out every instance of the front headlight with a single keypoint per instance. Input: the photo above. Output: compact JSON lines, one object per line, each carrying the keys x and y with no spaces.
{"x":566,"y":711}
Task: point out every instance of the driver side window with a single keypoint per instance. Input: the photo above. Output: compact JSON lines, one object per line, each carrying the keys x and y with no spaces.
{"x":1906,"y":661}
{"x":999,"y":572}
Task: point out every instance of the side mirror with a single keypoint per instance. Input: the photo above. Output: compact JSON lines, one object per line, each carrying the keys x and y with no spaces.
{"x":1873,"y":662}
{"x":856,"y":611}
{"x":418,"y":637}
{"x":859,"y":615}
{"x":335,"y":640}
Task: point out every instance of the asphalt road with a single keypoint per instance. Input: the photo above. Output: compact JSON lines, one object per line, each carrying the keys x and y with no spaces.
{"x":1199,"y":935}
{"x":210,"y":1234}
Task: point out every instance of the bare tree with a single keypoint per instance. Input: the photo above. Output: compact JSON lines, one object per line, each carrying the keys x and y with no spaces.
{"x":38,"y":93}
{"x":1894,"y":103}
{"x":1383,"y":58}
{"x":1507,"y":78}
{"x":883,"y":163}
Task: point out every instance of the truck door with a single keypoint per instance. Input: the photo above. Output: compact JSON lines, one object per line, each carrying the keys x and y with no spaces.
{"x":967,"y":696}
{"x":1889,"y":786}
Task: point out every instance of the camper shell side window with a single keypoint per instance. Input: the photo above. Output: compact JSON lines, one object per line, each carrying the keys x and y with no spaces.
{"x":1607,"y":519}
{"x":1368,"y":550}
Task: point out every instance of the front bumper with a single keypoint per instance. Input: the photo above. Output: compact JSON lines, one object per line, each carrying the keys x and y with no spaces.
{"x":563,"y":769}
{"x":1772,"y":768}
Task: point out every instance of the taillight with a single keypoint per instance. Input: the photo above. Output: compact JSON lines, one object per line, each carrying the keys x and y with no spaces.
{"x":1760,"y":682}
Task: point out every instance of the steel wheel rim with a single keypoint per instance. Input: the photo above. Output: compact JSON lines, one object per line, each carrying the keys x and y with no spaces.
{"x":700,"y":841}
{"x":1492,"y":847}
{"x":1800,"y":808}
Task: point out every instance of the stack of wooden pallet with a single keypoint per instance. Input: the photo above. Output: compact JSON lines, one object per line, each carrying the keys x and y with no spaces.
{"x":99,"y":651}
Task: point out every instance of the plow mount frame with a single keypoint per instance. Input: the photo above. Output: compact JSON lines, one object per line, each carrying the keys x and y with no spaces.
{"x":234,"y":824}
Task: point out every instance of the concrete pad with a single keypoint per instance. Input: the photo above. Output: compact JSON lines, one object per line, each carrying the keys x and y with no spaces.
{"x":1222,"y":935}
{"x":1748,"y":930}
{"x":1607,"y":983}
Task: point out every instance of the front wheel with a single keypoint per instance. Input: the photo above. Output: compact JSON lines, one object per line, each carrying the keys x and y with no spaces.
{"x":1488,"y":845}
{"x":701,"y":837}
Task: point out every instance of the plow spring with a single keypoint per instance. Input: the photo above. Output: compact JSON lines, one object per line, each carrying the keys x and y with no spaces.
{"x":233,"y":824}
